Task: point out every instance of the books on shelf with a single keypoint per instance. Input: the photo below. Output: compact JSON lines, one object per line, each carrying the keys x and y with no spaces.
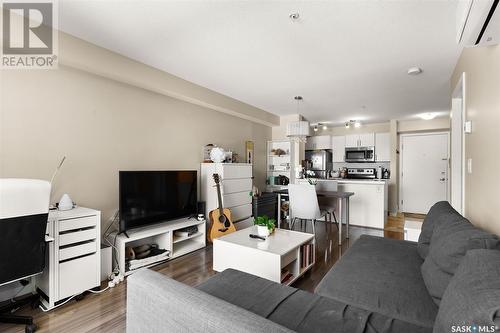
{"x":286,"y":276}
{"x":307,"y":255}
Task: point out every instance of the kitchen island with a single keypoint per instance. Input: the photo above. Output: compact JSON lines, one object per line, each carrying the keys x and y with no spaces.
{"x":369,"y":204}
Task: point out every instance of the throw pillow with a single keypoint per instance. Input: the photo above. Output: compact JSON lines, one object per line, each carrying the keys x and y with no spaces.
{"x":449,"y":243}
{"x":472,"y":298}
{"x":440,"y":212}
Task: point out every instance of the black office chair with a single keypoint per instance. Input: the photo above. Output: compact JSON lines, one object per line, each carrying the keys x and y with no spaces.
{"x":24,"y":207}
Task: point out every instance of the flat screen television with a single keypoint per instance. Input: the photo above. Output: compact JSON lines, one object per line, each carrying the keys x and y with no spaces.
{"x":148,"y":197}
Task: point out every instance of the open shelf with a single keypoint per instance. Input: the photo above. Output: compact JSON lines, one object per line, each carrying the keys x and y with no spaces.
{"x":286,"y":159}
{"x":305,"y":269}
{"x":182,"y":248}
{"x":178,"y":239}
{"x":161,"y":234}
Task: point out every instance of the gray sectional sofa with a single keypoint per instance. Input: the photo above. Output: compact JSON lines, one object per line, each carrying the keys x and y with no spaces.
{"x":447,"y":282}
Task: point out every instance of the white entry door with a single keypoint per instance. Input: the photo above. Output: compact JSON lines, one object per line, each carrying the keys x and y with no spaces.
{"x":424,"y":171}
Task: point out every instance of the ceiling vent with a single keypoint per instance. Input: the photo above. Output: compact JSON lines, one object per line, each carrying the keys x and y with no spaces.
{"x":478,"y":22}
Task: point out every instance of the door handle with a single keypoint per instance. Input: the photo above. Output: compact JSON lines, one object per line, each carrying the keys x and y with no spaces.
{"x":442,"y":179}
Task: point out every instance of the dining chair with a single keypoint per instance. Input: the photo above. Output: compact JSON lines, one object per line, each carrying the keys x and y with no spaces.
{"x":304,"y":204}
{"x":328,"y":205}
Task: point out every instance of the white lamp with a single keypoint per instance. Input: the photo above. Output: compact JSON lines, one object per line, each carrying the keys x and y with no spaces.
{"x":298,"y":130}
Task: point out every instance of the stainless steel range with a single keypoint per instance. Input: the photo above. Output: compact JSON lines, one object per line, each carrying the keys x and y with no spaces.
{"x":361,"y":173}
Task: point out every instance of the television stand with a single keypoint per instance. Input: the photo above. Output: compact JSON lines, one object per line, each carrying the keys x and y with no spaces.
{"x":123,"y":232}
{"x":163,"y":235}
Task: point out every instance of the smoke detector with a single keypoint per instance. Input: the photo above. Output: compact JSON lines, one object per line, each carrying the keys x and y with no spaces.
{"x":414,"y":70}
{"x":294,"y":16}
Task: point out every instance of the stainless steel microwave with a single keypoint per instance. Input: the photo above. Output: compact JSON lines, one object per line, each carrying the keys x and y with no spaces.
{"x":360,"y":154}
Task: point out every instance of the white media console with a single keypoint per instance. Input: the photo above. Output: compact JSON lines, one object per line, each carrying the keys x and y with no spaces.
{"x":163,"y":235}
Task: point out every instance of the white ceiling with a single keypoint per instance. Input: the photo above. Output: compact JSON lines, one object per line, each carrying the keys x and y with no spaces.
{"x":340,"y":55}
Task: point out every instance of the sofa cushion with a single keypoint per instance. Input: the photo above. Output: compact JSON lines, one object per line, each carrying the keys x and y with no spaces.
{"x":382,"y":275}
{"x":300,"y":310}
{"x":440,"y":212}
{"x":473,"y":295}
{"x":157,"y":303}
{"x":449,"y":243}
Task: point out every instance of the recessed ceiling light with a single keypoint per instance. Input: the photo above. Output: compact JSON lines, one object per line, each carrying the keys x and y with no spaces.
{"x":414,"y":70}
{"x":357,"y":124}
{"x":427,"y":116}
{"x":325,"y":127}
{"x":315,"y":128}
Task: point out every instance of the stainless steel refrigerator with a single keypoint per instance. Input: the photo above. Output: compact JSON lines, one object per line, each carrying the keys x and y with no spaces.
{"x":320,"y":162}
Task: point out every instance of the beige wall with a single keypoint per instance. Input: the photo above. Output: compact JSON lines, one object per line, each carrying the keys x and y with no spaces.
{"x":436,"y":124}
{"x":482,"y":187}
{"x":103,"y":125}
{"x":365,"y":128}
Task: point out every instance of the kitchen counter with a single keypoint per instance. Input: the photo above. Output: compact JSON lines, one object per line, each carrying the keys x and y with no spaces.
{"x":368,"y":205}
{"x":361,"y":181}
{"x":353,"y":181}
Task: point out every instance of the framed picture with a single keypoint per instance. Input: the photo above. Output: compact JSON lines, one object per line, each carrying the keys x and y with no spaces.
{"x":249,"y":151}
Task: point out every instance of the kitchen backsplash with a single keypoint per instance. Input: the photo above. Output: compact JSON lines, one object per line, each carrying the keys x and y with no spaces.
{"x":337,"y":165}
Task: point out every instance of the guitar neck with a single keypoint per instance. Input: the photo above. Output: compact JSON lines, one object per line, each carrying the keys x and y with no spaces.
{"x":219,"y":198}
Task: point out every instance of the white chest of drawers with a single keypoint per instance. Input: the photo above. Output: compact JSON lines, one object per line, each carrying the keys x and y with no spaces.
{"x":236,"y":188}
{"x":73,"y":259}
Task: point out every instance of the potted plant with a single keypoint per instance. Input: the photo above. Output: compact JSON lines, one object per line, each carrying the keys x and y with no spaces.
{"x":265,"y":225}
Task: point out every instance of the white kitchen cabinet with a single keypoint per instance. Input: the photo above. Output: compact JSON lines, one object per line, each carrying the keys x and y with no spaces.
{"x":338,"y":148}
{"x":352,"y":140}
{"x":382,"y":147}
{"x":368,"y":206}
{"x":360,"y":140}
{"x":367,"y":139}
{"x":319,"y":142}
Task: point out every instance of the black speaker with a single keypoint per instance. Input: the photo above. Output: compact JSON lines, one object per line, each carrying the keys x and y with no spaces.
{"x":201,"y":207}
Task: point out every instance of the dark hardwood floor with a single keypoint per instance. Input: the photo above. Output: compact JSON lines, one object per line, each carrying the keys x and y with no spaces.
{"x":105,"y":312}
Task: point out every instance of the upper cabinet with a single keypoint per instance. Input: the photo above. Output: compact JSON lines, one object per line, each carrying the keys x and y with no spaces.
{"x":382,"y":147}
{"x":367,"y":139}
{"x":338,"y":144}
{"x":360,"y":140}
{"x":338,"y":148}
{"x":319,"y":142}
{"x":352,"y":140}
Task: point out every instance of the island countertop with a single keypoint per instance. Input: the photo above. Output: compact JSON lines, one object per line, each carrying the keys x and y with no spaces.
{"x":352,"y":181}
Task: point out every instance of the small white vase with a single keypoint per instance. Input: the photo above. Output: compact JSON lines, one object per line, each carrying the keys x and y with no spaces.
{"x":262,"y":230}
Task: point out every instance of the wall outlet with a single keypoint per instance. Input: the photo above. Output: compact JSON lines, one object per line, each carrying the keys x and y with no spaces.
{"x":469,"y":165}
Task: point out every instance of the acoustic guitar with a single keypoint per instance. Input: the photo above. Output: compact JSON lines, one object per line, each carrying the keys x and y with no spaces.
{"x":220,"y":218}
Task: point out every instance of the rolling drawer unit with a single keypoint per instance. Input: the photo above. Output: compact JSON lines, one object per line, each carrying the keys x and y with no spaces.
{"x":236,"y":188}
{"x":73,"y":258}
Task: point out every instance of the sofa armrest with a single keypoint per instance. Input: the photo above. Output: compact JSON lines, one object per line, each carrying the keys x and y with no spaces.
{"x":156,"y":303}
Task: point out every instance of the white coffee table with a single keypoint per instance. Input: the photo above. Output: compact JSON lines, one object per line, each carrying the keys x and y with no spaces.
{"x":284,"y":250}
{"x":412,"y":230}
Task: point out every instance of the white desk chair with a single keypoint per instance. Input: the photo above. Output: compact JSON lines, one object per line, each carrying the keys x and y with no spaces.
{"x":304,"y":204}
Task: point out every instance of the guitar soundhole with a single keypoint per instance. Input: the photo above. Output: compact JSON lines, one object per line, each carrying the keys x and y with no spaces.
{"x":223,"y":219}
